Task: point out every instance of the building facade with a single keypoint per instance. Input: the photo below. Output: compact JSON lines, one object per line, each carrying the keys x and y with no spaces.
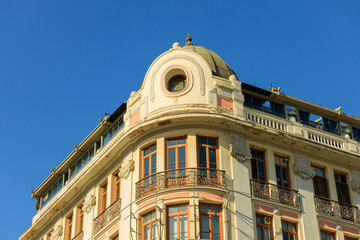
{"x":197,"y":154}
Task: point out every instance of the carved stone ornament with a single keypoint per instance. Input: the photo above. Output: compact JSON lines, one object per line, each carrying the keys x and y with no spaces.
{"x":355,"y":183}
{"x":237,"y":148}
{"x":56,"y":233}
{"x":125,"y":171}
{"x":302,"y":167}
{"x":239,"y":154}
{"x":89,"y":204}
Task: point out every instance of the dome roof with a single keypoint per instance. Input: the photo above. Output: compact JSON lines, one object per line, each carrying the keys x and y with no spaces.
{"x":218,"y":66}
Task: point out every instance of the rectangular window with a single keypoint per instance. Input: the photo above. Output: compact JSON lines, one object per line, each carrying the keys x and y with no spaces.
{"x":103,"y":196}
{"x":320,"y":183}
{"x":149,"y":226}
{"x":325,"y":235}
{"x":288,"y":230}
{"x":282,"y":171}
{"x":149,"y":161}
{"x":210,"y":221}
{"x":263,"y":227}
{"x":178,"y":222}
{"x":176,"y":153}
{"x":208,"y":148}
{"x":258,"y":169}
{"x":208,"y":157}
{"x":69,"y":223}
{"x":116,"y":186}
{"x":80,"y":219}
{"x":342,"y":188}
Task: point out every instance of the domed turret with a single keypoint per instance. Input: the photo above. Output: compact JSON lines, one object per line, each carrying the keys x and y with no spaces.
{"x":218,"y":66}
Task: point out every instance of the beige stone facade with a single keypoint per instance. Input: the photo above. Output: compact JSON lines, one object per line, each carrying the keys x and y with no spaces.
{"x":197,"y":154}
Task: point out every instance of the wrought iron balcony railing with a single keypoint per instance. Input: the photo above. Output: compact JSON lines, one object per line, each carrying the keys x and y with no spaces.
{"x":79,"y":236}
{"x":336,"y":209}
{"x":107,"y":216}
{"x":275,"y":193}
{"x":182,"y":177}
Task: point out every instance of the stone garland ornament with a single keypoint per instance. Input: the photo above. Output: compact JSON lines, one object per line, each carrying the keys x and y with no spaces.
{"x":89,"y":204}
{"x":237,"y":148}
{"x":302,"y":167}
{"x":56,"y":233}
{"x":125,"y":171}
{"x":355,"y":183}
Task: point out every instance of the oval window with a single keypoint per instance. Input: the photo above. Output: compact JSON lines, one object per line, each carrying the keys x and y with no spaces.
{"x":177,"y":83}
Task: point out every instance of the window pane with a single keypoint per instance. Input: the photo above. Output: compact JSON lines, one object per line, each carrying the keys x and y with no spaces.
{"x":204,"y":208}
{"x":202,"y":153}
{"x":171,"y":155}
{"x":212,"y":142}
{"x":171,"y":142}
{"x":173,"y":225}
{"x":153,"y":230}
{"x":215,"y":209}
{"x":181,"y":152}
{"x":146,"y":166}
{"x":215,"y":224}
{"x":183,"y":208}
{"x":261,"y":171}
{"x":259,"y":232}
{"x":183,"y":236}
{"x":216,"y":236}
{"x":181,"y":141}
{"x":205,"y":223}
{"x":183,"y":223}
{"x":285,"y":236}
{"x":147,"y":233}
{"x":267,"y":234}
{"x":173,"y":209}
{"x":212,"y":155}
{"x":202,"y":140}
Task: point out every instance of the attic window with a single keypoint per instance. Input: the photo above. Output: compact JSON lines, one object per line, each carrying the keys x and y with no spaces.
{"x":176,"y":83}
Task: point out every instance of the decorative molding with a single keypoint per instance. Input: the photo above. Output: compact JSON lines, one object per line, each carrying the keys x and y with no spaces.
{"x":56,"y":233}
{"x":125,"y":171}
{"x":355,"y":182}
{"x":89,"y":204}
{"x":237,"y":148}
{"x":178,"y":56}
{"x":302,"y":167}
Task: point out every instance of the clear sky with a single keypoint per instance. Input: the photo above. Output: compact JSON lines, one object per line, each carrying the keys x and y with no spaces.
{"x":63,"y":64}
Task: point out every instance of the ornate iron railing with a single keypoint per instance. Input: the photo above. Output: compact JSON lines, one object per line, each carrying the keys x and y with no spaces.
{"x":107,"y":216}
{"x":336,"y":209}
{"x":182,"y":177}
{"x":275,"y":193}
{"x":79,"y":236}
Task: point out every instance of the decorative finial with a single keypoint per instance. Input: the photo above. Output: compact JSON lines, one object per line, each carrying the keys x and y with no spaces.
{"x":188,"y":40}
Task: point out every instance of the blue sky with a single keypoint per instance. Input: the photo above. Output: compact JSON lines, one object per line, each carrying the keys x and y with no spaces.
{"x":63,"y":64}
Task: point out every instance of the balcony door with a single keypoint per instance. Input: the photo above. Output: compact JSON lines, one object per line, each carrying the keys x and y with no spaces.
{"x":176,"y":160}
{"x":208,"y":158}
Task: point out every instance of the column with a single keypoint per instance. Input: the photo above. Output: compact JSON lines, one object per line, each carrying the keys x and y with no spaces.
{"x":305,"y":173}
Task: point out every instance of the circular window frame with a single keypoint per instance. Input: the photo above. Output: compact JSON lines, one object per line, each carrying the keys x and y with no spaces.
{"x":172,"y":72}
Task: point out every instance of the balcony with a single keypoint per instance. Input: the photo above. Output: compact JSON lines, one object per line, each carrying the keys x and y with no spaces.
{"x":107,"y":216}
{"x":79,"y":236}
{"x":275,"y":193}
{"x":182,"y":177}
{"x":336,"y":209}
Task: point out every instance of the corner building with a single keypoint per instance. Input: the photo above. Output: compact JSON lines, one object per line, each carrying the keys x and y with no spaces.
{"x":197,"y":154}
